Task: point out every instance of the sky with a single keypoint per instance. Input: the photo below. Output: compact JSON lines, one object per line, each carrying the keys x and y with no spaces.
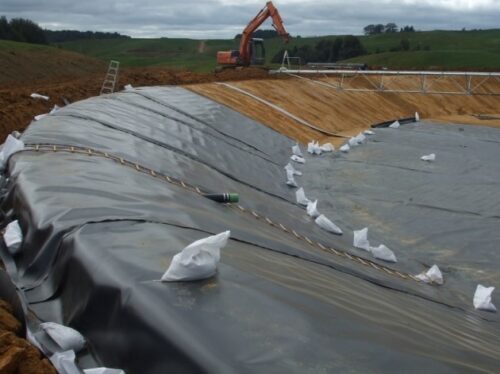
{"x":211,"y":19}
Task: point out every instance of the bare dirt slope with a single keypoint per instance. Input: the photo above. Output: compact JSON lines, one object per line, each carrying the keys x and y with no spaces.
{"x":16,"y":354}
{"x":343,"y":112}
{"x":17,"y":108}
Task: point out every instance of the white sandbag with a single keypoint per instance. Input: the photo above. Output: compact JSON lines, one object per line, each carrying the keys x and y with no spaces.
{"x":360,"y":138}
{"x":13,"y":237}
{"x":296,"y":150}
{"x":66,"y":337}
{"x":298,"y":159}
{"x":430,"y":158}
{"x":54,"y":109}
{"x":345,"y":148}
{"x":128,"y":87}
{"x":313,"y":148}
{"x":353,"y":142}
{"x":40,"y":116}
{"x":198,"y":260}
{"x":38,"y":96}
{"x":368,"y":132}
{"x":289,"y":166}
{"x":290,"y":180}
{"x":417,"y":117}
{"x":64,"y":362}
{"x":361,"y":239}
{"x":103,"y":371}
{"x":11,"y":145}
{"x":327,"y":147}
{"x":300,"y":195}
{"x":433,"y":275}
{"x":383,"y":253}
{"x":327,"y":225}
{"x":395,"y":125}
{"x":312,"y":210}
{"x":482,"y":298}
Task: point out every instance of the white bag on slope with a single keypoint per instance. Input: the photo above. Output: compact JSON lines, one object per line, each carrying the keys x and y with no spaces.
{"x":290,"y":180}
{"x":482,"y":298}
{"x":103,"y":371}
{"x":198,"y":260}
{"x":67,"y":338}
{"x":395,"y":125}
{"x":328,"y":225}
{"x":433,"y":275}
{"x":296,"y":150}
{"x":11,"y":145}
{"x":353,"y":142}
{"x":38,"y":96}
{"x":327,"y":147}
{"x":369,"y":132}
{"x":300,"y":195}
{"x":345,"y":148}
{"x":430,"y":158}
{"x":361,"y":239}
{"x":313,"y":148}
{"x":291,"y":168}
{"x":13,"y":237}
{"x":360,"y":138}
{"x":383,"y":253}
{"x":312,"y":210}
{"x":64,"y":362}
{"x":298,"y":159}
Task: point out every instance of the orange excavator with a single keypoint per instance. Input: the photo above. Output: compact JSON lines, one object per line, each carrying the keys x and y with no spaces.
{"x":252,"y":51}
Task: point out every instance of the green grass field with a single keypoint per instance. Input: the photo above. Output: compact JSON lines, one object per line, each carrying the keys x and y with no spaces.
{"x":446,"y":50}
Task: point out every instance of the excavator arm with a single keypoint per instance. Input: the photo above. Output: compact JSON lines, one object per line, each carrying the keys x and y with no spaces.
{"x":268,"y":11}
{"x":244,"y":55}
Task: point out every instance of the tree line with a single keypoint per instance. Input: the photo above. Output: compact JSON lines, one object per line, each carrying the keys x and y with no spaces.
{"x":70,"y":35}
{"x":262,"y":34}
{"x":21,"y":30}
{"x":389,"y":28}
{"x":27,"y":31}
{"x":326,"y":50}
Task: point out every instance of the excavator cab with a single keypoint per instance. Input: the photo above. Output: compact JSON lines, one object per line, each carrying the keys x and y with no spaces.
{"x":251,"y":51}
{"x":257,"y":52}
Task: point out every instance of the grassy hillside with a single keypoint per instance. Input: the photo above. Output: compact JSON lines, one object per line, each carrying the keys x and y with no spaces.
{"x":443,"y":49}
{"x":186,"y":53}
{"x":28,"y":62}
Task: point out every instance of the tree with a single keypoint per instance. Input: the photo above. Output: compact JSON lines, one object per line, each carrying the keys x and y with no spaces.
{"x":351,"y":47}
{"x":378,"y":29}
{"x":21,"y":30}
{"x":369,"y":29}
{"x":407,"y":29}
{"x":391,"y":27}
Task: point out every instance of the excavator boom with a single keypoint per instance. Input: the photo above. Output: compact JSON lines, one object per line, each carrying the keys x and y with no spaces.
{"x":245,"y":53}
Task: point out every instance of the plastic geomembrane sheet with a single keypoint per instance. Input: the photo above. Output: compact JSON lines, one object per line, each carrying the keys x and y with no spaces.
{"x":99,"y":234}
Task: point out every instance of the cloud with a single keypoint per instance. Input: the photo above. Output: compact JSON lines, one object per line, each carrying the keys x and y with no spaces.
{"x":224,"y":18}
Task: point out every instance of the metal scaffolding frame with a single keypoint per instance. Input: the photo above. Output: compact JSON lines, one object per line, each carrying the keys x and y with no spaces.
{"x":466,"y":83}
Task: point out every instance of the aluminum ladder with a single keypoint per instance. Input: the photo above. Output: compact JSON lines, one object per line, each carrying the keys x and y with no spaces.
{"x":108,"y":86}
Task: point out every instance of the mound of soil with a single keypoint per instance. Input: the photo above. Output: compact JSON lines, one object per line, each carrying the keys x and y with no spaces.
{"x":18,"y":356}
{"x":17,"y":108}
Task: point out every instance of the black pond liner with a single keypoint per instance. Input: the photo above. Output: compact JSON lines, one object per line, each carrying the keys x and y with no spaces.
{"x":99,"y":233}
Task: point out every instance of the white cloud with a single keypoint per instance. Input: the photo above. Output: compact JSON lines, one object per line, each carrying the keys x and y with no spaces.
{"x":224,"y":18}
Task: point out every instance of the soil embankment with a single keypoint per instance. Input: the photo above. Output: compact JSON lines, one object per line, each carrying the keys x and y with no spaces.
{"x":347,"y":113}
{"x":16,"y":354}
{"x":17,"y":108}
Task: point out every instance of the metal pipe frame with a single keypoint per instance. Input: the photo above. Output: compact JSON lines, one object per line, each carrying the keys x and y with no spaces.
{"x":465,"y":86}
